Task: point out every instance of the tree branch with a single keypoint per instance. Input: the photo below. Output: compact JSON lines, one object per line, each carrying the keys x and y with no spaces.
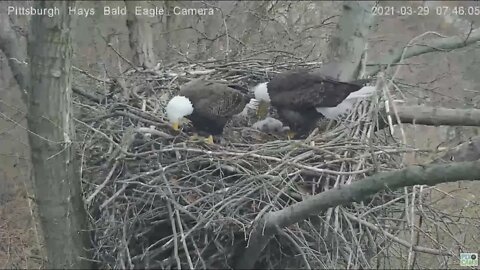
{"x":436,"y":116}
{"x":14,"y":46}
{"x":440,"y":44}
{"x":92,"y":97}
{"x":355,"y":192}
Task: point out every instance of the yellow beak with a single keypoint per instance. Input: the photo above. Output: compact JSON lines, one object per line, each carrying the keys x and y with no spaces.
{"x":175,"y":126}
{"x":291,"y":134}
{"x":209,"y":140}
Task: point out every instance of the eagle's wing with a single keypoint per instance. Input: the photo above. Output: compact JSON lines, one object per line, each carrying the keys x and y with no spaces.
{"x":300,"y":89}
{"x":219,"y":101}
{"x":227,"y":102}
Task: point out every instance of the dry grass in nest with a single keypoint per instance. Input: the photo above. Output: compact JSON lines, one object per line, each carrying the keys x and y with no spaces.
{"x":158,"y":200}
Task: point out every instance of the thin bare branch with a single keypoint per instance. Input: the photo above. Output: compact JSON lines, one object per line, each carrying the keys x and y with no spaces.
{"x":440,"y":44}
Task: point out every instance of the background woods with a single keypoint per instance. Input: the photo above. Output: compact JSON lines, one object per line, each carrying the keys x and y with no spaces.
{"x":148,"y":192}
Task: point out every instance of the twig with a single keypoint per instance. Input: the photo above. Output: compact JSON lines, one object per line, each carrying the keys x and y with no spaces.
{"x":398,"y":240}
{"x":304,"y":257}
{"x":175,"y":241}
{"x":103,"y":184}
{"x":91,"y":76}
{"x":122,"y":57}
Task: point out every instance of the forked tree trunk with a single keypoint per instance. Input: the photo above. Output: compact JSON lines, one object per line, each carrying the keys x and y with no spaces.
{"x":140,"y":35}
{"x":55,"y":169}
{"x":347,"y":44}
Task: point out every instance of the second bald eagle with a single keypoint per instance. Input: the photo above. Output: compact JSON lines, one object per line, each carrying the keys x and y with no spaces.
{"x":209,"y":105}
{"x":301,"y":98}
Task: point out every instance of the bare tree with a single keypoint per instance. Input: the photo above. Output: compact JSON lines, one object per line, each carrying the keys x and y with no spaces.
{"x":140,"y":35}
{"x":56,"y":174}
{"x":345,"y":52}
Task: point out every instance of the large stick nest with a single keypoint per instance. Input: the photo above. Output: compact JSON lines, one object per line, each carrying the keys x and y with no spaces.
{"x":160,"y":200}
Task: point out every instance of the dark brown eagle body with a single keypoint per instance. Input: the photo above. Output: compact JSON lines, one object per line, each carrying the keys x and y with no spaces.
{"x":213,"y":104}
{"x":301,"y":121}
{"x":296,"y":95}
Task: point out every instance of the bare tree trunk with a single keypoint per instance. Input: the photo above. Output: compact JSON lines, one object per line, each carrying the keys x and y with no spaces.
{"x":56,"y":171}
{"x":168,"y":26}
{"x":140,"y":36}
{"x":347,"y":45}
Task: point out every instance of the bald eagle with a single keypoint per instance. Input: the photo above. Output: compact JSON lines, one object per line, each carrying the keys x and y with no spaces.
{"x":208,"y":105}
{"x":301,"y":98}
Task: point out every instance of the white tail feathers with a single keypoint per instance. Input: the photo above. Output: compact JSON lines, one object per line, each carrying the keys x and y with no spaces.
{"x":346,"y":105}
{"x":365,"y":92}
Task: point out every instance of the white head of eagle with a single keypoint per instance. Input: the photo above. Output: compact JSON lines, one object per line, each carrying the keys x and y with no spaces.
{"x":177,"y":108}
{"x":261,"y":92}
{"x":301,"y":97}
